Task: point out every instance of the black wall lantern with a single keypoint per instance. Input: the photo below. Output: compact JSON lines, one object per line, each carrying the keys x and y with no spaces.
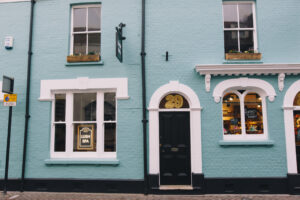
{"x":119,"y":41}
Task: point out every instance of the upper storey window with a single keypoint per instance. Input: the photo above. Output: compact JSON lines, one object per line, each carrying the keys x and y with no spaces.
{"x":86,"y":30}
{"x":239,"y":27}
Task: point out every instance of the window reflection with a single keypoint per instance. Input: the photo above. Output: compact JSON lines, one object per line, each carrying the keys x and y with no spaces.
{"x":231,"y":114}
{"x":253,"y":114}
{"x":297,"y":100}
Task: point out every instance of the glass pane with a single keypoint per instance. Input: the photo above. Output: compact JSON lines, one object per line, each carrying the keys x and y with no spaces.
{"x":246,"y":41}
{"x":110,"y":137}
{"x":246,"y":15}
{"x":231,"y":114}
{"x":85,"y":137}
{"x":297,"y":100}
{"x":230,"y":16}
{"x":94,"y":44}
{"x":253,"y":114}
{"x":60,"y":107}
{"x":60,"y":138}
{"x":84,"y":107}
{"x":79,"y":44}
{"x":231,"y":41}
{"x":109,"y":107}
{"x":79,"y":19}
{"x":297,"y":127}
{"x":173,"y":101}
{"x":94,"y":19}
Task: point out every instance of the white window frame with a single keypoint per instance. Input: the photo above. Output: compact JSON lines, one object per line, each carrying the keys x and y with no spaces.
{"x":245,"y":136}
{"x":84,"y":32}
{"x":100,"y":153}
{"x":254,"y":29}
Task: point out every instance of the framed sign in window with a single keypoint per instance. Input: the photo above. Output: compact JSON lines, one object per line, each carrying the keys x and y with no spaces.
{"x":85,"y":137}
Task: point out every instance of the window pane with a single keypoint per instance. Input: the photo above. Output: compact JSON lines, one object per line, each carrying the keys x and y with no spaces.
{"x":246,"y":15}
{"x":85,"y":137}
{"x":79,"y":19}
{"x":230,"y":16}
{"x":297,"y":127}
{"x":94,"y":43}
{"x":109,"y":106}
{"x":246,"y":41}
{"x":84,"y":107}
{"x":60,"y":107}
{"x":94,"y":19}
{"x":110,"y":137}
{"x":231,"y":114}
{"x":231,"y":41}
{"x":79,"y":44}
{"x":297,"y":100}
{"x":60,"y":138}
{"x":253,"y":114}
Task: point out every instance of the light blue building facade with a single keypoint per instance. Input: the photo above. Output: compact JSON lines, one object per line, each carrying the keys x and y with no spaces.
{"x":222,"y":96}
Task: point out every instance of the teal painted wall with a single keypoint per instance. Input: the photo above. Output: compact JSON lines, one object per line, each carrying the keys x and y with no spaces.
{"x":192,"y":33}
{"x":14,"y":22}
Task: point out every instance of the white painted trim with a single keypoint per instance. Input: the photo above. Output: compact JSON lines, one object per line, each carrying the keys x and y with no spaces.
{"x":12,"y":1}
{"x":1,"y":94}
{"x":289,"y":126}
{"x":195,"y":125}
{"x":84,"y":83}
{"x":248,"y":69}
{"x":244,"y":83}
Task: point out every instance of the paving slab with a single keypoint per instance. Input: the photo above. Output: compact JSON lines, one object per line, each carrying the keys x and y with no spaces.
{"x":98,"y":196}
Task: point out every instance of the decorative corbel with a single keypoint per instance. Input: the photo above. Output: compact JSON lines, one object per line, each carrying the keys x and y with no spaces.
{"x":207,"y":82}
{"x":281,"y":78}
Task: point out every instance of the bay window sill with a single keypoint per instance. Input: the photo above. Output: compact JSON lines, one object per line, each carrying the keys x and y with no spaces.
{"x":62,"y":161}
{"x":246,"y":143}
{"x":79,"y":64}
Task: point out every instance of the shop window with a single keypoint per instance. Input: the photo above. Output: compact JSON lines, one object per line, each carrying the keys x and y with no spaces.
{"x":239,"y":27}
{"x":85,"y":33}
{"x":243,"y":115}
{"x":84,"y":125}
{"x":297,"y":119}
{"x":173,"y":101}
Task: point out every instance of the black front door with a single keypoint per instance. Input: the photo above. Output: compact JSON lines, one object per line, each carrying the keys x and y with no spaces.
{"x":175,"y":157}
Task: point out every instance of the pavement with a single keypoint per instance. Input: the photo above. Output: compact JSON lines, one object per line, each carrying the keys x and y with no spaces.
{"x":100,"y":196}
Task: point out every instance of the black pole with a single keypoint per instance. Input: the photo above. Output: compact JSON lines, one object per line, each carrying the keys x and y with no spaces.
{"x":7,"y":150}
{"x":145,"y":121}
{"x":27,"y":115}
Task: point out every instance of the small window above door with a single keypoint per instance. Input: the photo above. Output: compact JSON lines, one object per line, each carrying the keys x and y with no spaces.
{"x":173,"y":101}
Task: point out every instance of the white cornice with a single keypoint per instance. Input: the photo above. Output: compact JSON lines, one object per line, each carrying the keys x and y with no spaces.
{"x":248,"y":69}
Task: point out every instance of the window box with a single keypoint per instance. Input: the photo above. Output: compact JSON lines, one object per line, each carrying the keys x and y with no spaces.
{"x":83,"y":58}
{"x":243,"y":56}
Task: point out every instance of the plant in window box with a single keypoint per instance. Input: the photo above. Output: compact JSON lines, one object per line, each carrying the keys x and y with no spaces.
{"x":246,"y":55}
{"x":90,"y":57}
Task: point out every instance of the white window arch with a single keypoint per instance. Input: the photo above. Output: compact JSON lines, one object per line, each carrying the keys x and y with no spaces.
{"x":244,"y":97}
{"x":289,"y":108}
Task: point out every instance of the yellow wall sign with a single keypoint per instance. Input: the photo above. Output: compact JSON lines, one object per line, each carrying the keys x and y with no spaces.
{"x":10,"y":100}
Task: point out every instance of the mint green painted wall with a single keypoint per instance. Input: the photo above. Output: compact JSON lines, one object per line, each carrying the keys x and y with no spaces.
{"x":192,"y":33}
{"x":14,"y":21}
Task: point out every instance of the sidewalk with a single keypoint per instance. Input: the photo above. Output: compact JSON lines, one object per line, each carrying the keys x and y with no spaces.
{"x":89,"y":196}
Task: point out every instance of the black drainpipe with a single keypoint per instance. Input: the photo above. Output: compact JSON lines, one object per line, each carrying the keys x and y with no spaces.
{"x":145,"y":121}
{"x":27,"y":115}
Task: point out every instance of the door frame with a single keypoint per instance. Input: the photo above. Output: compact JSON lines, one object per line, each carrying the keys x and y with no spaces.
{"x":195,"y":125}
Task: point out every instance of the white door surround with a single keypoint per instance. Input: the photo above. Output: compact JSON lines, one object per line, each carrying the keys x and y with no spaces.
{"x":288,"y":107}
{"x":195,"y":125}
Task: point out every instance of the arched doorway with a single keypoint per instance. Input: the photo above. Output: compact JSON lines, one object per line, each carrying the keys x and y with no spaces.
{"x":174,"y":112}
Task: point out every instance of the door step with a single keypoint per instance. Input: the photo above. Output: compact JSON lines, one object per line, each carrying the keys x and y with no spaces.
{"x":175,"y":187}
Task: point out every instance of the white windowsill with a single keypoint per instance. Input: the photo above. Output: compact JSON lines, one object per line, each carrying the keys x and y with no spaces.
{"x":65,"y":161}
